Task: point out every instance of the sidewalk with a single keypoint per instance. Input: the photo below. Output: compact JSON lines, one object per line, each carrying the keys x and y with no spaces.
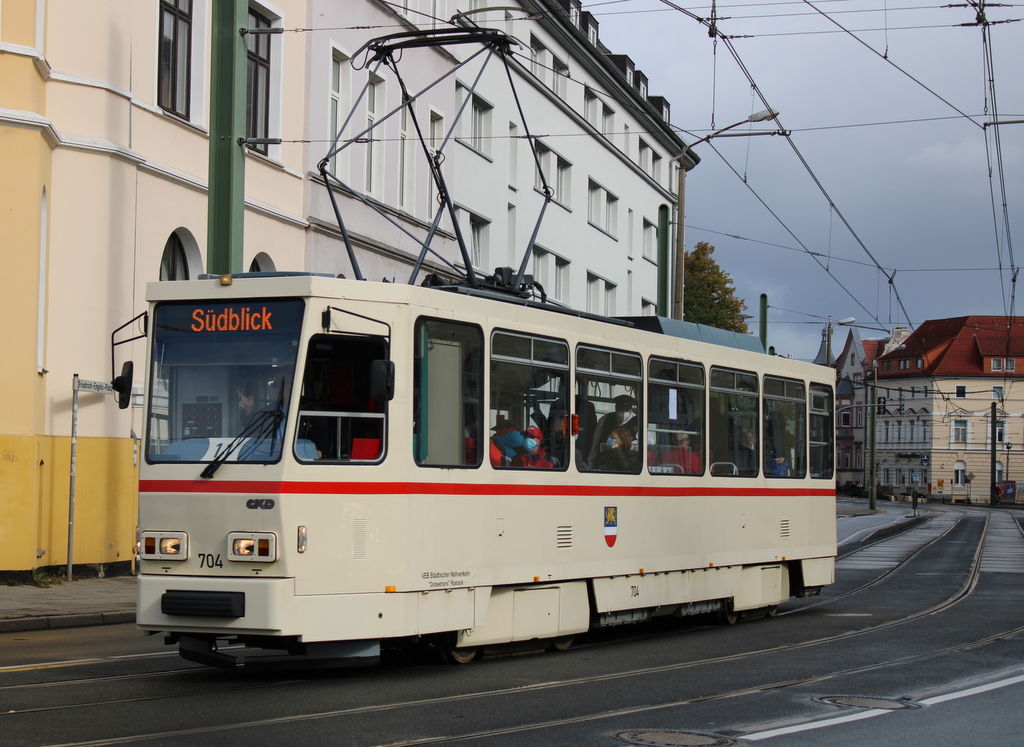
{"x":94,"y":601}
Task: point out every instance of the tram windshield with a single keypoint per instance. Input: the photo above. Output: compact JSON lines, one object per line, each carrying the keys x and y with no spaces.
{"x":221,"y":378}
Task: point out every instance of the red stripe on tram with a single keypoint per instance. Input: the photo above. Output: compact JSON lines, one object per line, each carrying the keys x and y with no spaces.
{"x":442,"y":488}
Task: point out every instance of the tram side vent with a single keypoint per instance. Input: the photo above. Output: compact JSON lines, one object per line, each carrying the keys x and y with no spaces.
{"x":784,"y":527}
{"x":359,"y":539}
{"x":563,"y":537}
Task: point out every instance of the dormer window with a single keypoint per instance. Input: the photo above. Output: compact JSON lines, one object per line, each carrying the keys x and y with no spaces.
{"x":997,"y":364}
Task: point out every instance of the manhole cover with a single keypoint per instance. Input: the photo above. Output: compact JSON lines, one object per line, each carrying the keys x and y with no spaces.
{"x":670,"y":738}
{"x":867,"y":701}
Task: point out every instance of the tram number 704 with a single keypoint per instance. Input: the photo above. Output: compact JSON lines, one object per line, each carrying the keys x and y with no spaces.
{"x":209,"y":560}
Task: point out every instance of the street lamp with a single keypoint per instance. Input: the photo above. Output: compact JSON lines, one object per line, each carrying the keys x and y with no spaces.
{"x":1006,"y":469}
{"x":762,"y":116}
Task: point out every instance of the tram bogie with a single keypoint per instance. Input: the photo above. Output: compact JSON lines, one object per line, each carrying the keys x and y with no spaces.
{"x":332,"y":465}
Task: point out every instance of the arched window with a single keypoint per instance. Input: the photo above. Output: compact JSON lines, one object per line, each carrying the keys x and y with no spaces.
{"x":960,"y":473}
{"x":174,"y":264}
{"x":262,"y":263}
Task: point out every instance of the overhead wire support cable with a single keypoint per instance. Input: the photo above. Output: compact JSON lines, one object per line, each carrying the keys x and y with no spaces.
{"x":727,"y":40}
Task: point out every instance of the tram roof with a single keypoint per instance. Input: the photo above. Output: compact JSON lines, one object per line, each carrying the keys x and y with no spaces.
{"x":699,"y":332}
{"x":657,"y":324}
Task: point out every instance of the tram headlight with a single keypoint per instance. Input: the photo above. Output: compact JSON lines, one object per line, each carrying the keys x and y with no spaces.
{"x":252,"y":547}
{"x":163,"y":545}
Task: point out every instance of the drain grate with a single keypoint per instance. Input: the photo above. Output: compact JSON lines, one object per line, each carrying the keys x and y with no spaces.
{"x":671,"y":738}
{"x":867,"y":701}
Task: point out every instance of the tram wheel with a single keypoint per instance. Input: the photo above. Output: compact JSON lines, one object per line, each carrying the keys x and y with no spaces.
{"x":727,"y":615}
{"x":562,"y":644}
{"x":456,"y":655}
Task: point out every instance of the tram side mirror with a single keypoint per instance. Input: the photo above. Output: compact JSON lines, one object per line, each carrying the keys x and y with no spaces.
{"x":382,"y":380}
{"x":123,"y":385}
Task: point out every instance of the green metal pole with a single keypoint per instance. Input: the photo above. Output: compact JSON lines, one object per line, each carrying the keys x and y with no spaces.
{"x":994,"y":490}
{"x":663,"y":260}
{"x":872,"y":414}
{"x":763,"y":322}
{"x":227,"y":127}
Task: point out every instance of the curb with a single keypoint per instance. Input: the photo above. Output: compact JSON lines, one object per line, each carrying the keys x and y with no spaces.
{"x":56,"y":622}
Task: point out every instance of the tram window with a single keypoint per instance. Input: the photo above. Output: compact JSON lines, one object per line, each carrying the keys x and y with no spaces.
{"x":338,"y":419}
{"x":529,"y":412}
{"x":222,"y":374}
{"x":447,"y":379}
{"x":675,"y":418}
{"x":609,"y":404}
{"x":785,"y":428}
{"x":823,"y":432}
{"x":732,"y":423}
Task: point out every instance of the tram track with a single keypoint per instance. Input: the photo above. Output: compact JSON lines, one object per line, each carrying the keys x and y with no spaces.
{"x":631,"y":675}
{"x":543,"y":687}
{"x":871,"y":546}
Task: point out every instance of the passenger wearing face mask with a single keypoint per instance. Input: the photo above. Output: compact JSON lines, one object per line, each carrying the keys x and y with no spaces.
{"x":623,"y":417}
{"x":533,"y":453}
{"x":617,"y":454}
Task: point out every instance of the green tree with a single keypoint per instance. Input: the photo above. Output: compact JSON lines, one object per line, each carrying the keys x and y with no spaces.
{"x":709,"y":296}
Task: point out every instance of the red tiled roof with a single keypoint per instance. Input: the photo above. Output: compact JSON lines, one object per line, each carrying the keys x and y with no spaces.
{"x":958,"y":346}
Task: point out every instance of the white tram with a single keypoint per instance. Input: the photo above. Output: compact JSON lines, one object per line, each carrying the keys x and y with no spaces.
{"x":330,"y":464}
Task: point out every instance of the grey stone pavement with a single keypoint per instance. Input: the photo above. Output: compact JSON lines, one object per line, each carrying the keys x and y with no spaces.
{"x":106,"y":601}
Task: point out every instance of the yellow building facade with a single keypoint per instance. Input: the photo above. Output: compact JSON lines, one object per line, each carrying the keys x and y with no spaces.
{"x":98,"y":180}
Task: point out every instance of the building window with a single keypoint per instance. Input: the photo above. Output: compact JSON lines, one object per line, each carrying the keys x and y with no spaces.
{"x":513,"y":154}
{"x":174,"y":263}
{"x":1000,"y":431}
{"x":844,"y":419}
{"x":559,"y":289}
{"x":374,"y":155}
{"x":960,"y":474}
{"x":997,"y":392}
{"x":477,"y":135}
{"x":600,"y":295}
{"x":960,"y":431}
{"x":559,"y":77}
{"x":602,"y":208}
{"x":885,"y":431}
{"x":435,"y":138}
{"x":961,"y":391}
{"x":339,"y":109}
{"x":997,"y":364}
{"x":607,"y":122}
{"x":558,"y":173}
{"x":539,"y":59}
{"x":644,"y":157}
{"x":592,"y":108}
{"x":650,"y":237}
{"x":406,"y":158}
{"x":1011,"y":364}
{"x":258,"y":92}
{"x":175,"y":56}
{"x":478,"y":236}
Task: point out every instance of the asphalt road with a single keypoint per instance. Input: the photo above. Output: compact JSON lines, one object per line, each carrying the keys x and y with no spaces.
{"x":919,"y":642}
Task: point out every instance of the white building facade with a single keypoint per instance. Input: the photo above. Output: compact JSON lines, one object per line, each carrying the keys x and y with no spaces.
{"x":105,"y":117}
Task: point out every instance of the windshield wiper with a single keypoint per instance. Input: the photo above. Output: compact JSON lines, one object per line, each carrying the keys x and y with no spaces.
{"x":265,"y":423}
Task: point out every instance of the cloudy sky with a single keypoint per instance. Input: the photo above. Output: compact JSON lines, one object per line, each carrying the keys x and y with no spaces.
{"x":889,"y":159}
